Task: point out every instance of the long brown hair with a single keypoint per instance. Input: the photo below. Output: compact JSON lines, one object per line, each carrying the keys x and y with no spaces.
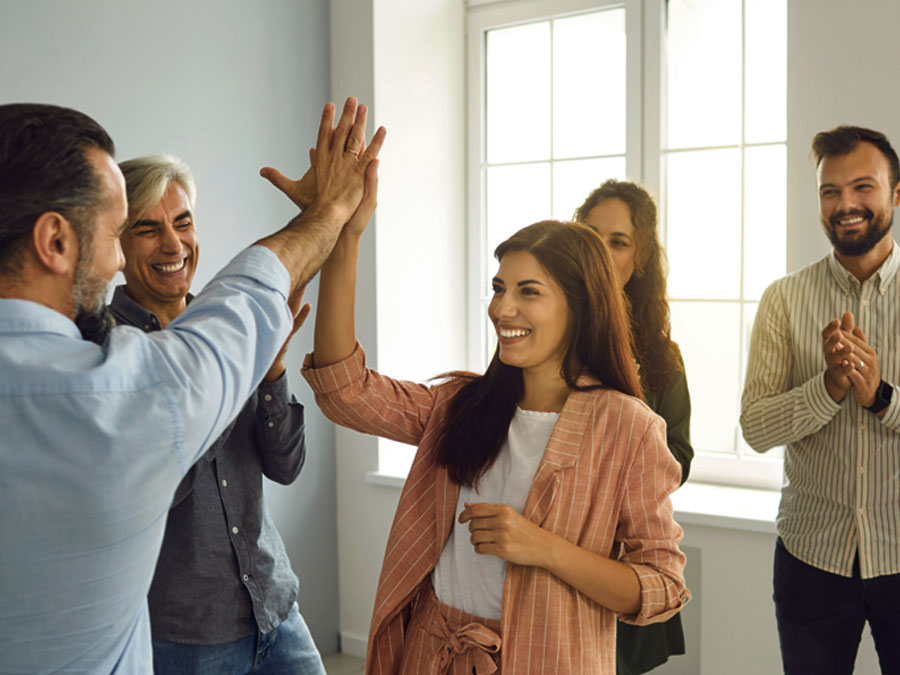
{"x":600,"y":346}
{"x":646,"y":290}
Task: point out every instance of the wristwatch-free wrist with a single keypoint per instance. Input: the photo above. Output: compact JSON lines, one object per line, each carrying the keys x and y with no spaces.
{"x":882,"y":397}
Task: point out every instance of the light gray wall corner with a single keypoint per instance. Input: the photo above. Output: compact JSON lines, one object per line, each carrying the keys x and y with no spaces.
{"x":229,"y":86}
{"x":839,"y":72}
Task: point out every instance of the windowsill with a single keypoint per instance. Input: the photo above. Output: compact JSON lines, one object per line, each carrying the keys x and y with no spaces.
{"x":726,"y":506}
{"x":723,"y":506}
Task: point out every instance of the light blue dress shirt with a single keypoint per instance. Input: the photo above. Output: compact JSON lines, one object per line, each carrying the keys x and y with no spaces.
{"x":93,"y":443}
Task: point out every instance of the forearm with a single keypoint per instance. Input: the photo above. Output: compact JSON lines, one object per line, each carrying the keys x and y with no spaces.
{"x":279,"y":431}
{"x":335,"y":331}
{"x":779,"y":419}
{"x":305,"y":243}
{"x":607,"y":582}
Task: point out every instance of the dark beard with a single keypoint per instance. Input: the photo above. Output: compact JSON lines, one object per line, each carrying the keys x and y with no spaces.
{"x":875,"y":232}
{"x":95,"y":324}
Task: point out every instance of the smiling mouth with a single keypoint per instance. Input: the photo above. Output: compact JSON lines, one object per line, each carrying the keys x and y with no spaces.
{"x":513,"y":332}
{"x":170,"y":268}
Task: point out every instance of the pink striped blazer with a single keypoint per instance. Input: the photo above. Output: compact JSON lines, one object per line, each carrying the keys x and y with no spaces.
{"x":603,"y":483}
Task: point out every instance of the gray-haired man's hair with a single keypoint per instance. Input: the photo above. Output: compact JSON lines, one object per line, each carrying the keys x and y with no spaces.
{"x":148,"y":178}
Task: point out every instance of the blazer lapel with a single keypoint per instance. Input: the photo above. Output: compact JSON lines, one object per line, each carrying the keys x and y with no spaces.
{"x":562,"y":451}
{"x":446,"y":494}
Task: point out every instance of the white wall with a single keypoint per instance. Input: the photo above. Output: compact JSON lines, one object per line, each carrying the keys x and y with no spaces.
{"x":840,"y":65}
{"x":407,"y":60}
{"x":229,"y":86}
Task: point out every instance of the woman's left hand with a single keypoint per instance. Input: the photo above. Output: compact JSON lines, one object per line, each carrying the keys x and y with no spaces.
{"x":500,"y":530}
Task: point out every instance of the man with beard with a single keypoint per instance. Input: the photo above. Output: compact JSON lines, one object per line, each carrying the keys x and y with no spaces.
{"x":824,"y":362}
{"x":96,"y":437}
{"x":204,"y":615}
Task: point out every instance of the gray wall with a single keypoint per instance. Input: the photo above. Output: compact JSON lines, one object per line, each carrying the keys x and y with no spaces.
{"x":229,"y":86}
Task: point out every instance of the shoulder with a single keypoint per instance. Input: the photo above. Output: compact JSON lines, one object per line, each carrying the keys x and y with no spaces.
{"x":609,"y":405}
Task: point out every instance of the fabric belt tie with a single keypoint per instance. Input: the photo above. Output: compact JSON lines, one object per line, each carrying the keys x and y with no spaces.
{"x":472,"y":636}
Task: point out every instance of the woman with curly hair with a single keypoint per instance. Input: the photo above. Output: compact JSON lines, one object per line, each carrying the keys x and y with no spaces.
{"x":624,"y":216}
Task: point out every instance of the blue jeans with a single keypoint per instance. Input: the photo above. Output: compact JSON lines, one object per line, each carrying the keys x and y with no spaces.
{"x":821,"y":617}
{"x":287,"y":650}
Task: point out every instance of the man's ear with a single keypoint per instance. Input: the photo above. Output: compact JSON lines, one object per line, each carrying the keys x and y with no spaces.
{"x":55,"y":243}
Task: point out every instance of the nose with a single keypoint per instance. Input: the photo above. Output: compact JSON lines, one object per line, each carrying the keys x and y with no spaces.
{"x":848,"y":201}
{"x":169,"y":241}
{"x":505,"y":306}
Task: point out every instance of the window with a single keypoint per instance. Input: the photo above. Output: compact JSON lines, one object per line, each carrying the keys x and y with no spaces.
{"x":687,"y":97}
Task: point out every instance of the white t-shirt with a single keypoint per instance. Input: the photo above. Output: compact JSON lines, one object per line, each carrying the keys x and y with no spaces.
{"x":470,"y":581}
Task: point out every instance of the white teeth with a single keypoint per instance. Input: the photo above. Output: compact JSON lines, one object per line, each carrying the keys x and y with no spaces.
{"x":518,"y":332}
{"x":168,"y":269}
{"x":852,"y":221}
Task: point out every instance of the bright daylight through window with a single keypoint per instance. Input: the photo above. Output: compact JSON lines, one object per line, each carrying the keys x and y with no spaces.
{"x":688,"y":98}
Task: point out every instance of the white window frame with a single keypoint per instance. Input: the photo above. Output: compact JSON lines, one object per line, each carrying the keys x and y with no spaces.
{"x":645,"y":100}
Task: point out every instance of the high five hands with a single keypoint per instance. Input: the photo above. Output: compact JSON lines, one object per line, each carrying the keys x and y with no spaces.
{"x":337,"y":150}
{"x":851,"y":362}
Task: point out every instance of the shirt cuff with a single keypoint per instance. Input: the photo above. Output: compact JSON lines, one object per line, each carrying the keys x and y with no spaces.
{"x":660,"y":599}
{"x":818,"y":400}
{"x":336,"y":376}
{"x":273,"y":396}
{"x":891,"y":418}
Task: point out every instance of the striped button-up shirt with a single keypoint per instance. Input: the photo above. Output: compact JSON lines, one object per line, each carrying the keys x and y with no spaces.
{"x":842,"y":463}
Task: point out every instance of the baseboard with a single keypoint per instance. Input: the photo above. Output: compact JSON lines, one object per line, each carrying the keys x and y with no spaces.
{"x":354,"y":645}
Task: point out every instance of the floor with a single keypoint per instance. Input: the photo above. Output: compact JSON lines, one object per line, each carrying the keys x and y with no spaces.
{"x":343,"y":664}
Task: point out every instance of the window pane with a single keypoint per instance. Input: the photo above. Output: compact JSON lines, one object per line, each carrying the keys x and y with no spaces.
{"x":589,"y":112}
{"x":765,"y":217}
{"x":516,"y":196}
{"x":518,"y":93}
{"x":709,"y":336}
{"x":573,"y":181}
{"x":703,"y":216}
{"x":704,"y":72}
{"x":766,"y":71}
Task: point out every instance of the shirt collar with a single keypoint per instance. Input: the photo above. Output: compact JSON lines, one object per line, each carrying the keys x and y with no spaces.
{"x":25,"y":316}
{"x":129,"y":312}
{"x":883,"y":276}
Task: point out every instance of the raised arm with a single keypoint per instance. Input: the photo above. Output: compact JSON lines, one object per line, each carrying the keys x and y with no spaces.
{"x":341,"y":165}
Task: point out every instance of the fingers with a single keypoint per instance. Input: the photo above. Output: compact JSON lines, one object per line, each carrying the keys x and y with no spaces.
{"x":344,"y":125}
{"x":276,"y":178}
{"x":374,"y":146}
{"x":302,"y":316}
{"x":356,"y":139}
{"x":326,"y":127}
{"x":479,"y":510}
{"x":847,"y":322}
{"x":832,"y":326}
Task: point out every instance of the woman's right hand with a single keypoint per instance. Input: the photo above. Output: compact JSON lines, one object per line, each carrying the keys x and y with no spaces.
{"x":360,"y":218}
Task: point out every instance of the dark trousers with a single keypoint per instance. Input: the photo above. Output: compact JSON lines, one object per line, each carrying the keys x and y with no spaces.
{"x":821,"y":617}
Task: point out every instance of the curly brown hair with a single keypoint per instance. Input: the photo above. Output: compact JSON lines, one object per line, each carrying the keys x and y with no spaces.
{"x":646,"y":290}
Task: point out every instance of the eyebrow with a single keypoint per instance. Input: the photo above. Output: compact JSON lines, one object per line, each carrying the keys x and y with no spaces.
{"x":498,"y":280}
{"x":871,"y":179}
{"x":147,"y":222}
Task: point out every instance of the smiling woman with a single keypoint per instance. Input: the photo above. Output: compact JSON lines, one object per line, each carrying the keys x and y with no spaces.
{"x":538,"y":497}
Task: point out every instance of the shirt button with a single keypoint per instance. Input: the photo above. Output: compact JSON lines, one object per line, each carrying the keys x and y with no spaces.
{"x":235,"y":529}
{"x":246,"y":577}
{"x":267,"y":397}
{"x":271,"y":424}
{"x":224,"y":483}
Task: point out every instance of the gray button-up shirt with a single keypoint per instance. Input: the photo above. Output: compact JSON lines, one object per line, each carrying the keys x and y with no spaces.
{"x":222,"y":560}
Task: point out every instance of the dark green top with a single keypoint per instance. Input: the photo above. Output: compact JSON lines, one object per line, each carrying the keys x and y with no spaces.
{"x":640,"y":649}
